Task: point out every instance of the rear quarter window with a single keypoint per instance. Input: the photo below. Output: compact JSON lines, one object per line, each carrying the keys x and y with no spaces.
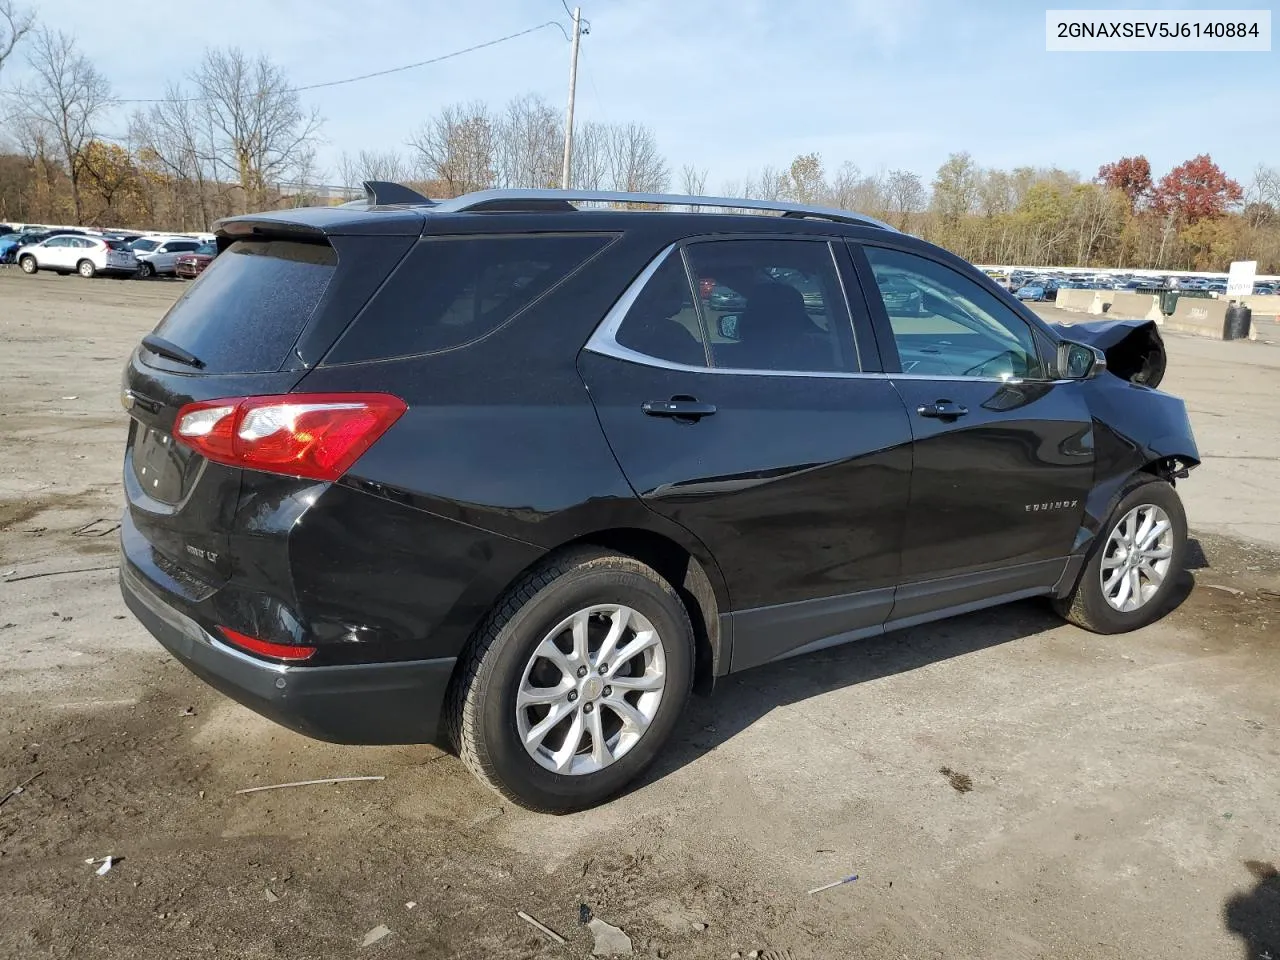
{"x":449,"y":292}
{"x":250,"y":306}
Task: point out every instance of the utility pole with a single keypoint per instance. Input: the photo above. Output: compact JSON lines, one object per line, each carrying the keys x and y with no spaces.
{"x":573,"y":85}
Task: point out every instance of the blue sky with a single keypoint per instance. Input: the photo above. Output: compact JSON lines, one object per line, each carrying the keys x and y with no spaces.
{"x":731,"y":86}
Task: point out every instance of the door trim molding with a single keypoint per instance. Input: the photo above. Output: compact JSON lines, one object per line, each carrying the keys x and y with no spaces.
{"x":765,"y":634}
{"x":781,"y":631}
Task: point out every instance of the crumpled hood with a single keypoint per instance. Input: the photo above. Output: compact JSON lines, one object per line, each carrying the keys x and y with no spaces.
{"x":1134,"y":348}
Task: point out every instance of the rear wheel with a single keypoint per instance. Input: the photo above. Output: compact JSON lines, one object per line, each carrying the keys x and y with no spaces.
{"x":574,"y":682}
{"x":86,"y":269}
{"x":28,"y":264}
{"x":1134,"y":563}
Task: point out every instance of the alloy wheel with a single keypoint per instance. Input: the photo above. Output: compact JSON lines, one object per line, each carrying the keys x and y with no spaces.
{"x":591,"y":689}
{"x":1137,"y":557}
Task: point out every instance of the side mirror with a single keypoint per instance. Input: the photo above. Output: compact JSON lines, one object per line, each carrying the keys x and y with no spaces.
{"x":1079,"y":361}
{"x":727,"y":326}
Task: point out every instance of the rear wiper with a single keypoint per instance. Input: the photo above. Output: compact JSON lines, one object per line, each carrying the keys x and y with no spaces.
{"x":167,"y":348}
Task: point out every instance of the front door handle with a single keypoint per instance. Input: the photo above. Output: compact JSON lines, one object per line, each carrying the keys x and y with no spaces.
{"x":678,"y":408}
{"x":942,"y":410}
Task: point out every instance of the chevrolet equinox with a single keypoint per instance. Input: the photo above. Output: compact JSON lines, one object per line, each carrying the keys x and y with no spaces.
{"x":517,"y":471}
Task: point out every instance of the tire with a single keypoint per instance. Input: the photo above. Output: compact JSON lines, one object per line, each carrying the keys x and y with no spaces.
{"x":500,"y":661}
{"x":28,"y":264}
{"x":86,"y":269}
{"x":1087,"y":605}
{"x":146,"y":271}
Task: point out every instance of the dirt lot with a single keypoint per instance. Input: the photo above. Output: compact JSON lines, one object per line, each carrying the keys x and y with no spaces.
{"x":1003,"y":786}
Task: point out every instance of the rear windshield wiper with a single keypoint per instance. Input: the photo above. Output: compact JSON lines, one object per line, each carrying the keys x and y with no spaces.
{"x":167,"y":348}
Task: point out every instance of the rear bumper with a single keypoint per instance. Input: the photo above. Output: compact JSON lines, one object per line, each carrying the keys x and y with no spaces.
{"x":377,"y":703}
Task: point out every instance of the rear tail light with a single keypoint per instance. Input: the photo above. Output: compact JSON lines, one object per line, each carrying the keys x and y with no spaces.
{"x":313,"y":435}
{"x":265,"y":648}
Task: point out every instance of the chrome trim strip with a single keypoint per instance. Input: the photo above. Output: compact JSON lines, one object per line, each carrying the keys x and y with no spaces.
{"x":480,"y":198}
{"x":608,"y":328}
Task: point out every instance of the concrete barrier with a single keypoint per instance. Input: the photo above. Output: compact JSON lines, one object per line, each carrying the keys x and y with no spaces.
{"x":1263,"y":305}
{"x":1074,"y":299}
{"x":1136,"y":306}
{"x":1201,"y":318}
{"x":1101,"y":302}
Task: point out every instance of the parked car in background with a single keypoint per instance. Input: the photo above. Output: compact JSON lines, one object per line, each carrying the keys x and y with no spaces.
{"x":158,"y":256}
{"x":188,"y":266}
{"x":10,"y":243}
{"x":1038,"y":290}
{"x":87,"y":256}
{"x":1264,"y":289}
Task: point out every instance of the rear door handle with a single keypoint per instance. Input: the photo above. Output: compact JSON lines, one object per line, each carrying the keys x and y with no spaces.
{"x":678,"y":408}
{"x":942,"y":410}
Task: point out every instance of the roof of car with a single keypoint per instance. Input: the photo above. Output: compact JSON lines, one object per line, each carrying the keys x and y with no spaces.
{"x":407,"y":216}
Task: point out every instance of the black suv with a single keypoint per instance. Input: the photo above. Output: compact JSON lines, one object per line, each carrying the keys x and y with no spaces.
{"x":515,"y":473}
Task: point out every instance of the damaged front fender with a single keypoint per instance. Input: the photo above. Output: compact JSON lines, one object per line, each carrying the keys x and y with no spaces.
{"x":1138,"y":431}
{"x":1134,"y":348}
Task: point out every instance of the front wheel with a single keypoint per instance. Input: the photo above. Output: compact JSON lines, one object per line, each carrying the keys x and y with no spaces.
{"x":28,"y":264}
{"x":574,"y":682}
{"x":1134,"y":563}
{"x":146,"y":271}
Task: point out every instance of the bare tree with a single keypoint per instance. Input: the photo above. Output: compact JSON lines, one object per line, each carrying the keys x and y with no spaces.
{"x":175,"y":141}
{"x":373,"y":165}
{"x":457,"y":148}
{"x":906,"y":195}
{"x":259,"y":131}
{"x":636,"y":164}
{"x":1262,"y":199}
{"x":590,"y":156}
{"x":65,"y":100}
{"x":530,"y":144}
{"x":693,"y":181}
{"x":15,"y":23}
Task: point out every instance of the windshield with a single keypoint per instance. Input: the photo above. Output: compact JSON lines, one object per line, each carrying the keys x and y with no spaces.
{"x":143,"y":246}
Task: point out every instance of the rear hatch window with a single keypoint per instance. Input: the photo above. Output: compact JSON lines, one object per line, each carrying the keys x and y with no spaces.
{"x":251,"y":304}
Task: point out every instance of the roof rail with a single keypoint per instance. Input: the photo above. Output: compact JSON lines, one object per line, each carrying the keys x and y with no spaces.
{"x":379,"y":193}
{"x":495,"y":201}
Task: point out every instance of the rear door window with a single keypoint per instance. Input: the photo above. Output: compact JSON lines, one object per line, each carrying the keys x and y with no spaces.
{"x":773,"y":305}
{"x":449,"y":292}
{"x":251,"y":304}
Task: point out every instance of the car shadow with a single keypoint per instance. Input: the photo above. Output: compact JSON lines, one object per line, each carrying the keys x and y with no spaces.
{"x":1195,"y":559}
{"x":1254,"y":917}
{"x":741,"y":699}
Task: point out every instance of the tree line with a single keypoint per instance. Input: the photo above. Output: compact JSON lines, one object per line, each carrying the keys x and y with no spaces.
{"x":234,"y":136}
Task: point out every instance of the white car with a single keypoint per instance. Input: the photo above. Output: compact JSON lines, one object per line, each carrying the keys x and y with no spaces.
{"x":159,"y":255}
{"x":85,"y":255}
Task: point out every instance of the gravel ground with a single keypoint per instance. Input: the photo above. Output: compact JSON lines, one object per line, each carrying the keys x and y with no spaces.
{"x":1004,"y":786}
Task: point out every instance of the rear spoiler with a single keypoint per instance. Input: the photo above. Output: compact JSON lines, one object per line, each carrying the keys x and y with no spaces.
{"x":316,"y":224}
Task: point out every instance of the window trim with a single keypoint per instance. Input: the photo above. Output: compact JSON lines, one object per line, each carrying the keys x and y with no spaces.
{"x":884,"y":329}
{"x":603,"y":339}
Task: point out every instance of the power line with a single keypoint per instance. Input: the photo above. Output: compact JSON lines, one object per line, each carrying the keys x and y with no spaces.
{"x":363,"y":76}
{"x":586,"y":24}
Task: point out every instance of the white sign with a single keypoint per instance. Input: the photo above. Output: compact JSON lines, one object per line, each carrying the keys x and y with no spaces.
{"x":1240,"y":278}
